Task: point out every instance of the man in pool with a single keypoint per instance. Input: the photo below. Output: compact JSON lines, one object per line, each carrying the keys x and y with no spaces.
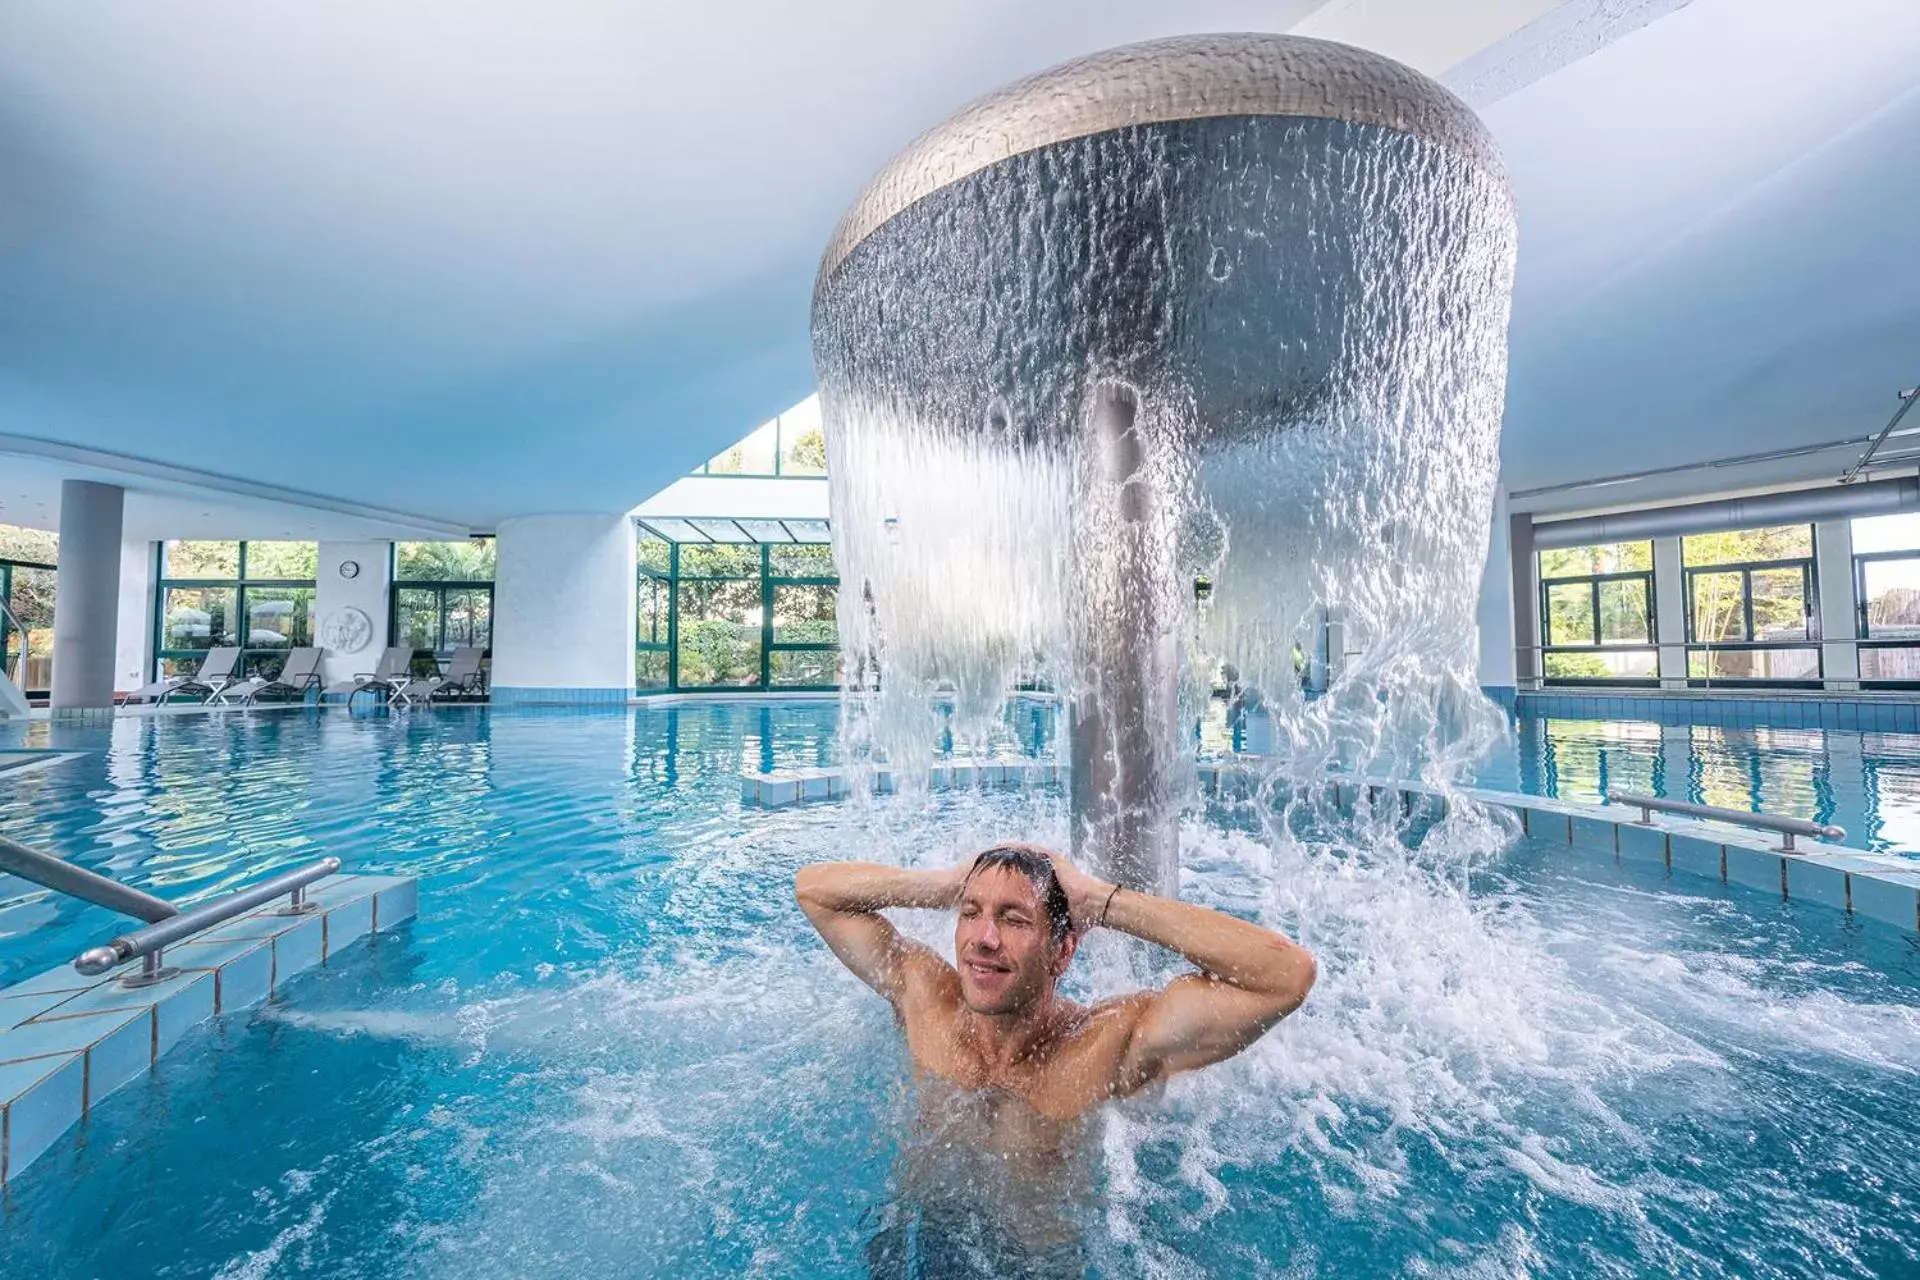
{"x":1011,"y":1065}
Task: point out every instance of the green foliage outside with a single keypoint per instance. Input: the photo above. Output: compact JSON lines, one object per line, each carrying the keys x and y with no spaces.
{"x":188,"y":559}
{"x":470,"y":560}
{"x":34,"y":546}
{"x":1577,"y":666}
{"x":1740,"y":546}
{"x":1600,"y":557}
{"x":806,"y":454}
{"x":286,"y":561}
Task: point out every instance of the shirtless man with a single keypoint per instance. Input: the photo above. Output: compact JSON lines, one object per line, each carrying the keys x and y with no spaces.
{"x":991,"y":1026}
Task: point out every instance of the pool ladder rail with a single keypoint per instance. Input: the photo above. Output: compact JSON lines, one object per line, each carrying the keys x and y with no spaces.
{"x":1787,"y":827}
{"x":166,"y":923}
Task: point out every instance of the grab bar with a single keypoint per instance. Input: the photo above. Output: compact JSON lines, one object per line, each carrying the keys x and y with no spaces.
{"x":1787,"y":827}
{"x":148,"y":943}
{"x":63,"y":877}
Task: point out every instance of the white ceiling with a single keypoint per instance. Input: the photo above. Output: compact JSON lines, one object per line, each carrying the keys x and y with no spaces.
{"x":466,"y":258}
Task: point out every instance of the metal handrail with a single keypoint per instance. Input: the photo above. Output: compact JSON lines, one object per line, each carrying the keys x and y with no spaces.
{"x":63,"y":877}
{"x":149,"y":942}
{"x":166,"y":923}
{"x":1787,"y":827}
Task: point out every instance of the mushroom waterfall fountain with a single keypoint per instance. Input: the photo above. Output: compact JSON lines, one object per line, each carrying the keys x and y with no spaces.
{"x":1186,"y":353}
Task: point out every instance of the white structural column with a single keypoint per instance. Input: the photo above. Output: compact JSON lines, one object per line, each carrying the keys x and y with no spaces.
{"x":1494,"y":618}
{"x":86,"y":601}
{"x":563,"y":609}
{"x":1670,"y":612}
{"x":350,"y":603}
{"x":1525,"y":595}
{"x":133,"y":645}
{"x":1837,"y":620}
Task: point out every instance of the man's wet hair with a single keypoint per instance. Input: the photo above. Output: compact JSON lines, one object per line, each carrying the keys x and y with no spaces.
{"x":1037,"y":867}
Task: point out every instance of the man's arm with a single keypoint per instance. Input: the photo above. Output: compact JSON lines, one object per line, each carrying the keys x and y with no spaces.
{"x":844,"y":901}
{"x":1249,"y":978}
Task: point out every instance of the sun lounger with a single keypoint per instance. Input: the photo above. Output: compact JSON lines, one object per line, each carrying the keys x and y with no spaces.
{"x":215,"y":674}
{"x":388,"y":674}
{"x":464,"y":675}
{"x":300,"y":672}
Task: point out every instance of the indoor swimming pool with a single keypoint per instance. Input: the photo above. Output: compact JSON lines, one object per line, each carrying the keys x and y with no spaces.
{"x":1867,"y":782}
{"x":610,"y":1045}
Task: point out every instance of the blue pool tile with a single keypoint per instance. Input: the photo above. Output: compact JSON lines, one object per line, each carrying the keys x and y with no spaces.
{"x":15,"y":1010}
{"x":64,"y":978}
{"x":1814,"y":881}
{"x":815,"y":787}
{"x":1754,"y":869}
{"x":1694,"y":856}
{"x":1595,"y":834}
{"x":1642,"y":844}
{"x":345,"y":924}
{"x":182,"y":1011}
{"x":780,"y":794}
{"x":1891,"y":901}
{"x":298,"y":948}
{"x":242,"y":970}
{"x":1546,"y":824}
{"x":110,"y":996}
{"x":67,"y":1035}
{"x":39,"y":1101}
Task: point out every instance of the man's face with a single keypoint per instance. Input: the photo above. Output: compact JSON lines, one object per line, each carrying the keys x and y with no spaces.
{"x":1003,"y":943}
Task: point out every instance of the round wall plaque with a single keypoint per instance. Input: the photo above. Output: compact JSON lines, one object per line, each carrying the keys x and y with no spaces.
{"x":346,"y":630}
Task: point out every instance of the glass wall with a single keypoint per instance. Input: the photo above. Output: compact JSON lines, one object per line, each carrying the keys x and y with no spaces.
{"x":442,"y":598}
{"x":1749,"y":596}
{"x":27,"y":579}
{"x":1886,"y":592}
{"x":735,"y":615}
{"x":1596,"y":609}
{"x":791,"y":445}
{"x":257,"y":595}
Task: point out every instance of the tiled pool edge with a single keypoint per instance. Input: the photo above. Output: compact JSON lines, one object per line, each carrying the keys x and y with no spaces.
{"x":1853,"y":881}
{"x":67,"y":1041}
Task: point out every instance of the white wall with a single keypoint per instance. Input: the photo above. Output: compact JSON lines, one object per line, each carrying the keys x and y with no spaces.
{"x":366,"y":591}
{"x":1494,"y":617}
{"x":563,"y":608}
{"x":133,"y":630}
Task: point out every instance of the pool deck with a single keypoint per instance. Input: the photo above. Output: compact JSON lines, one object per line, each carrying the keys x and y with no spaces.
{"x":1854,"y":882}
{"x":67,"y":1041}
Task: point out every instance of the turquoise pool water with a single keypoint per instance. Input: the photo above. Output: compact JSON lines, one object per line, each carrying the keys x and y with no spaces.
{"x":1868,"y":783}
{"x":609,"y":1046}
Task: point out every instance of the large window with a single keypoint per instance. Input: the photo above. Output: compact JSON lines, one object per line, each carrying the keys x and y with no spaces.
{"x":1886,"y":577}
{"x":1596,"y":608}
{"x":792,"y":444}
{"x":257,"y":595}
{"x":736,"y":615}
{"x":27,"y":578}
{"x":1750,"y":596}
{"x":442,"y":597}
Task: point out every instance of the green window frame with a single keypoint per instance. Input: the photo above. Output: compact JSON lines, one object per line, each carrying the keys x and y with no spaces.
{"x":28,"y":658}
{"x":248,"y":595}
{"x":1725,"y":644}
{"x":1580,"y":637}
{"x":760,"y":616}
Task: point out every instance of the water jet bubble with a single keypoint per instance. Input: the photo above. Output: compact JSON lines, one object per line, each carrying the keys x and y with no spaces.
{"x":1219,"y":265}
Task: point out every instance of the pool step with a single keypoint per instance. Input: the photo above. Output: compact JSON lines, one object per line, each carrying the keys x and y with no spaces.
{"x":67,"y":1041}
{"x":802,"y":786}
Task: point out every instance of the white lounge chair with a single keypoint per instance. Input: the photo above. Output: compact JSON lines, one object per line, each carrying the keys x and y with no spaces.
{"x":390,"y":673}
{"x":465,"y":674}
{"x":215,"y":674}
{"x":300,"y":672}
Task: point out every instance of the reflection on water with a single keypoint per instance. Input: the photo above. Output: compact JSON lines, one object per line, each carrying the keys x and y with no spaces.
{"x":1868,"y":783}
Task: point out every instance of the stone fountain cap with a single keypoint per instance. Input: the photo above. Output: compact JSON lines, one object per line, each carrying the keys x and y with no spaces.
{"x":1183,"y":78}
